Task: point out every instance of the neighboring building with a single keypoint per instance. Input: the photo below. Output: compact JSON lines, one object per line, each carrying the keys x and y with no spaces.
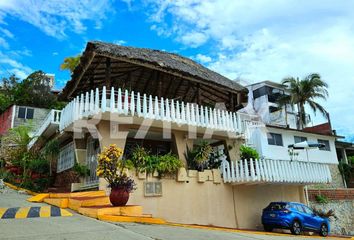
{"x":117,"y":91}
{"x":18,"y":115}
{"x":281,"y":128}
{"x":345,"y":153}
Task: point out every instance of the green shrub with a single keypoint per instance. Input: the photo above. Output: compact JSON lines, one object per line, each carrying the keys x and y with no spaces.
{"x":81,"y":170}
{"x":39,"y":165}
{"x":248,"y":152}
{"x":6,"y":175}
{"x":168,"y":164}
{"x":198,"y":158}
{"x":346,"y":170}
{"x":351,"y":160}
{"x":139,"y":158}
{"x":321,"y":199}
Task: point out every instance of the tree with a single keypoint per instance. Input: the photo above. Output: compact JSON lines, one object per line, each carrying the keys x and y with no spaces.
{"x":51,"y":151}
{"x":70,"y":63}
{"x":33,"y":91}
{"x":305,"y":92}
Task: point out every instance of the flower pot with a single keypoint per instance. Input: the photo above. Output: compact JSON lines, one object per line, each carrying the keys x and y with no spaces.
{"x":119,"y":196}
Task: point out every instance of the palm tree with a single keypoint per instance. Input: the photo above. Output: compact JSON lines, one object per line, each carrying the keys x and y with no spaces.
{"x":305,"y":92}
{"x":51,"y":151}
{"x":70,"y":63}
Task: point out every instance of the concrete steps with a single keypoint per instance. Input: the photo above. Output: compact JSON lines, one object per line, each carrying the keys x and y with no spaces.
{"x":96,"y":204}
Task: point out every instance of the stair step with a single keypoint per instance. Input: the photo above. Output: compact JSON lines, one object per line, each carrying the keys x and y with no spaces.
{"x":143,"y":219}
{"x":78,"y":194}
{"x":38,"y":198}
{"x":76,"y":202}
{"x":96,"y":211}
{"x":59,"y":202}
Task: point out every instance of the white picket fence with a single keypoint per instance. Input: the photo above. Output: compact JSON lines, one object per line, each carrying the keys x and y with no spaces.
{"x":275,"y":171}
{"x":53,"y":117}
{"x":134,"y":104}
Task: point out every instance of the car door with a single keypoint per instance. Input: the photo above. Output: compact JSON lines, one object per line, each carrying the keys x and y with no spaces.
{"x":310,"y":218}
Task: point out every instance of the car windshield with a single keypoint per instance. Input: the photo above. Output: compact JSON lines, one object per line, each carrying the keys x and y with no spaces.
{"x":276,"y":206}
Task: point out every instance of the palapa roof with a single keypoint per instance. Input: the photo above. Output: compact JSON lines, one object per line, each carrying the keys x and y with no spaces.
{"x":162,"y":61}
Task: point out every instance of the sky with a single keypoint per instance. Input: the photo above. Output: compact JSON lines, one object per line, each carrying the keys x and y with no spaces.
{"x":248,"y":40}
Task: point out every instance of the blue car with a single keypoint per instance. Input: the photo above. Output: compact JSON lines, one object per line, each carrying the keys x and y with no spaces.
{"x":294,"y":216}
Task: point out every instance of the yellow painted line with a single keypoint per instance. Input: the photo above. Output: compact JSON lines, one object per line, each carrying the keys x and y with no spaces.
{"x":244,"y":231}
{"x":2,"y":211}
{"x":38,"y":198}
{"x":22,"y":212}
{"x":45,"y":211}
{"x":19,"y":189}
{"x":65,"y":213}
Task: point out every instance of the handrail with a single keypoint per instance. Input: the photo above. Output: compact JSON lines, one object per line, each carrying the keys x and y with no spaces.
{"x":147,"y":106}
{"x":275,"y":171}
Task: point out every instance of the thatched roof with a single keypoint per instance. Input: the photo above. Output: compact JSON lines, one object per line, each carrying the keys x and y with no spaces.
{"x":168,"y":63}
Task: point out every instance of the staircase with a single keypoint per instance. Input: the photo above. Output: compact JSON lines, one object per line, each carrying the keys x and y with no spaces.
{"x":96,"y":204}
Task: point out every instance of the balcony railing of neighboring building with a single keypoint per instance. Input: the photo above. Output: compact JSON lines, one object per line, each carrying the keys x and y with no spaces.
{"x":259,"y":171}
{"x":53,"y":118}
{"x":130,"y":103}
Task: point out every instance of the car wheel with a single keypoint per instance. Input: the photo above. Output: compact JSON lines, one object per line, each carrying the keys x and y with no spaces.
{"x":295,"y":227}
{"x":324,"y":230}
{"x":267,"y":228}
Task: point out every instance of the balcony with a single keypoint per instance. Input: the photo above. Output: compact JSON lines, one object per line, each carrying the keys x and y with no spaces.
{"x":48,"y":127}
{"x":96,"y":103}
{"x":265,"y":171}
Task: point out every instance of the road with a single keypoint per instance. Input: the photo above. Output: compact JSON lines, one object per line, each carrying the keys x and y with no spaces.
{"x":79,"y":227}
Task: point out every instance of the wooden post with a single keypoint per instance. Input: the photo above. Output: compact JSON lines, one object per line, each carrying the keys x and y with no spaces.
{"x":108,"y":73}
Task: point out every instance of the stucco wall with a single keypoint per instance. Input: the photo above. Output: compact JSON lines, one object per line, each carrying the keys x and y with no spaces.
{"x":208,"y":203}
{"x":39,"y":115}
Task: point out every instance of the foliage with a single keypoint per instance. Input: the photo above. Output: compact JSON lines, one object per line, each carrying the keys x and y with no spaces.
{"x":346,"y":170}
{"x":202,"y":154}
{"x":293,"y":155}
{"x":51,"y":151}
{"x":81,"y":170}
{"x":202,"y":157}
{"x":351,"y":160}
{"x":248,"y":152}
{"x":214,"y":160}
{"x":139,"y":158}
{"x":321,"y":199}
{"x":38,"y":164}
{"x":6,"y":175}
{"x":304,"y":92}
{"x":70,"y":63}
{"x":324,"y":214}
{"x":168,"y":164}
{"x":34,"y":91}
{"x":164,"y":164}
{"x":112,"y":168}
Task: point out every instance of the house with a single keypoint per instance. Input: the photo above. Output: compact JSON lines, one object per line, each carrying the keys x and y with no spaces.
{"x":16,"y":115}
{"x":166,"y":103}
{"x":281,"y":128}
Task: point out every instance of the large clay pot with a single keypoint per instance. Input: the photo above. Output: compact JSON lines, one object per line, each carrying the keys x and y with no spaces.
{"x":119,"y":196}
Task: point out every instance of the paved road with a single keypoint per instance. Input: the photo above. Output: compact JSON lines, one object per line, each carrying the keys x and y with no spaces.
{"x":79,"y":227}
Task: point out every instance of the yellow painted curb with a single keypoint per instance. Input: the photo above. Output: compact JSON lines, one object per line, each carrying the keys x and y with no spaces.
{"x":19,"y":188}
{"x":113,"y":218}
{"x":78,"y":194}
{"x":59,"y":202}
{"x":38,"y":198}
{"x":132,"y":211}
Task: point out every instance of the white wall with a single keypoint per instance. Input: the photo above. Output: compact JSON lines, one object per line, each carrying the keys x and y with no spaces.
{"x":259,"y":138}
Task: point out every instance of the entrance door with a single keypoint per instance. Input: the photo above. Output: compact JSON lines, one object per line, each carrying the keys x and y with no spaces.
{"x":93,"y":149}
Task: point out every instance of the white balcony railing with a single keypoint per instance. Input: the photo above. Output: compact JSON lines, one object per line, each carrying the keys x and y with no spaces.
{"x":133,"y":104}
{"x":275,"y":171}
{"x":53,"y":118}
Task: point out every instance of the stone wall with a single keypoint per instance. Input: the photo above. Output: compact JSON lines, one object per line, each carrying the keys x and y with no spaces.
{"x":344,"y":210}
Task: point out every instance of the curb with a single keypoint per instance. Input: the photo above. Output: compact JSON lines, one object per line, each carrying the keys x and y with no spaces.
{"x":20,"y":189}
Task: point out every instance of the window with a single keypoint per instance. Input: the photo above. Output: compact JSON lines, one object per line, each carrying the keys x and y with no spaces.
{"x":307,"y":210}
{"x":25,"y":113}
{"x":298,"y":139}
{"x":326,"y":143}
{"x":66,"y":158}
{"x":153,"y":189}
{"x":275,"y":139}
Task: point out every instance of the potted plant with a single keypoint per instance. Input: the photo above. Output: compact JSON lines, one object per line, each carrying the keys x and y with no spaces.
{"x":113,"y":169}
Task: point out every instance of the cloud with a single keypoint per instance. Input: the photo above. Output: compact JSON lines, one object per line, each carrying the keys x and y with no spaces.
{"x":203,"y":58}
{"x":120,"y":42}
{"x":55,"y":18}
{"x":8,"y":66}
{"x":268,"y":40}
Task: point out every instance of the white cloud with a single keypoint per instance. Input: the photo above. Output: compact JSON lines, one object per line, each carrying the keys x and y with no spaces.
{"x":120,"y":42}
{"x":203,"y":58}
{"x":11,"y":66}
{"x":259,"y":40}
{"x":57,"y":17}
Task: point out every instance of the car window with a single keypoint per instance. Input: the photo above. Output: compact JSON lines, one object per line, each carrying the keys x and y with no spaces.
{"x":299,"y":208}
{"x":307,"y":210}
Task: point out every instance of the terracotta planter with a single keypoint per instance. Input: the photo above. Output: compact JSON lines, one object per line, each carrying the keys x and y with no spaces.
{"x":119,"y":196}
